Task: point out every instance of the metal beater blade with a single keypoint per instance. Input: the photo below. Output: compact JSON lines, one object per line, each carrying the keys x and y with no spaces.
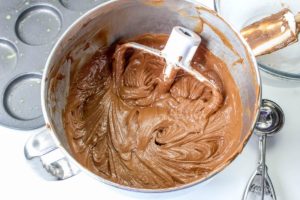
{"x":178,"y":53}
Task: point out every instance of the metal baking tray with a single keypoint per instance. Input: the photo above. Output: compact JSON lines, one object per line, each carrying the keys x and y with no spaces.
{"x":28,"y":31}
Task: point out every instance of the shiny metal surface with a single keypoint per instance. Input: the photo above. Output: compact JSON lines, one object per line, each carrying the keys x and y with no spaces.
{"x":270,"y":122}
{"x":49,"y":162}
{"x":271,"y":119}
{"x":128,"y":18}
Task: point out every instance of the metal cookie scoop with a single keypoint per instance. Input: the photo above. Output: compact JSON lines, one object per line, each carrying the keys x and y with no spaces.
{"x":269,"y":123}
{"x":178,"y":53}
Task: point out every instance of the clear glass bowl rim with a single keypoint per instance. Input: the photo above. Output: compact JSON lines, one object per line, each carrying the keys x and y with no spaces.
{"x":269,"y":70}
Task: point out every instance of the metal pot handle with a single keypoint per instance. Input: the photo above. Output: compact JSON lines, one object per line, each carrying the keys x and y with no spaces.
{"x":47,"y":159}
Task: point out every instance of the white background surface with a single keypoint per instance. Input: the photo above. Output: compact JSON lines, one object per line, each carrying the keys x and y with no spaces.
{"x":18,"y":180}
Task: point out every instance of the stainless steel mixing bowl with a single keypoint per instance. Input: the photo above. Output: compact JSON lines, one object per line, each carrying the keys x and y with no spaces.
{"x":125,"y":19}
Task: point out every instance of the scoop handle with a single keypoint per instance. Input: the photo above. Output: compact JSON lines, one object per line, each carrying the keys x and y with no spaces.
{"x":262,"y":148}
{"x":46,"y":159}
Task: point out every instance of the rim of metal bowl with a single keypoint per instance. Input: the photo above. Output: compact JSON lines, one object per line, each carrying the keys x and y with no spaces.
{"x":111,"y":183}
{"x":269,"y":70}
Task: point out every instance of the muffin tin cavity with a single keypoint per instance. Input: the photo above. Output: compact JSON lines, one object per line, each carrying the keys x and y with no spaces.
{"x":8,"y":57}
{"x":38,"y":25}
{"x":18,"y":101}
{"x":28,"y":31}
{"x":80,"y":5}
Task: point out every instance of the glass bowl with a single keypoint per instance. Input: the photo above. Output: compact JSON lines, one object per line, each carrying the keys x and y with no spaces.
{"x":284,"y":63}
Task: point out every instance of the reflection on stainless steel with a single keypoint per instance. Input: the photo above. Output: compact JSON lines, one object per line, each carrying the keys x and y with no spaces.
{"x":270,"y":121}
{"x":41,"y":149}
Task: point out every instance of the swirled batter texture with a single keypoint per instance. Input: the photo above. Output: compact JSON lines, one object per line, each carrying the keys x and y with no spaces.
{"x":127,"y":125}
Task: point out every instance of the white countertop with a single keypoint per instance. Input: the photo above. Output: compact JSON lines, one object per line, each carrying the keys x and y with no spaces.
{"x":19,"y":181}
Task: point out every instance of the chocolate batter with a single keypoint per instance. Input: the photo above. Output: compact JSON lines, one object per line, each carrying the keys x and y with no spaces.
{"x":127,"y":125}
